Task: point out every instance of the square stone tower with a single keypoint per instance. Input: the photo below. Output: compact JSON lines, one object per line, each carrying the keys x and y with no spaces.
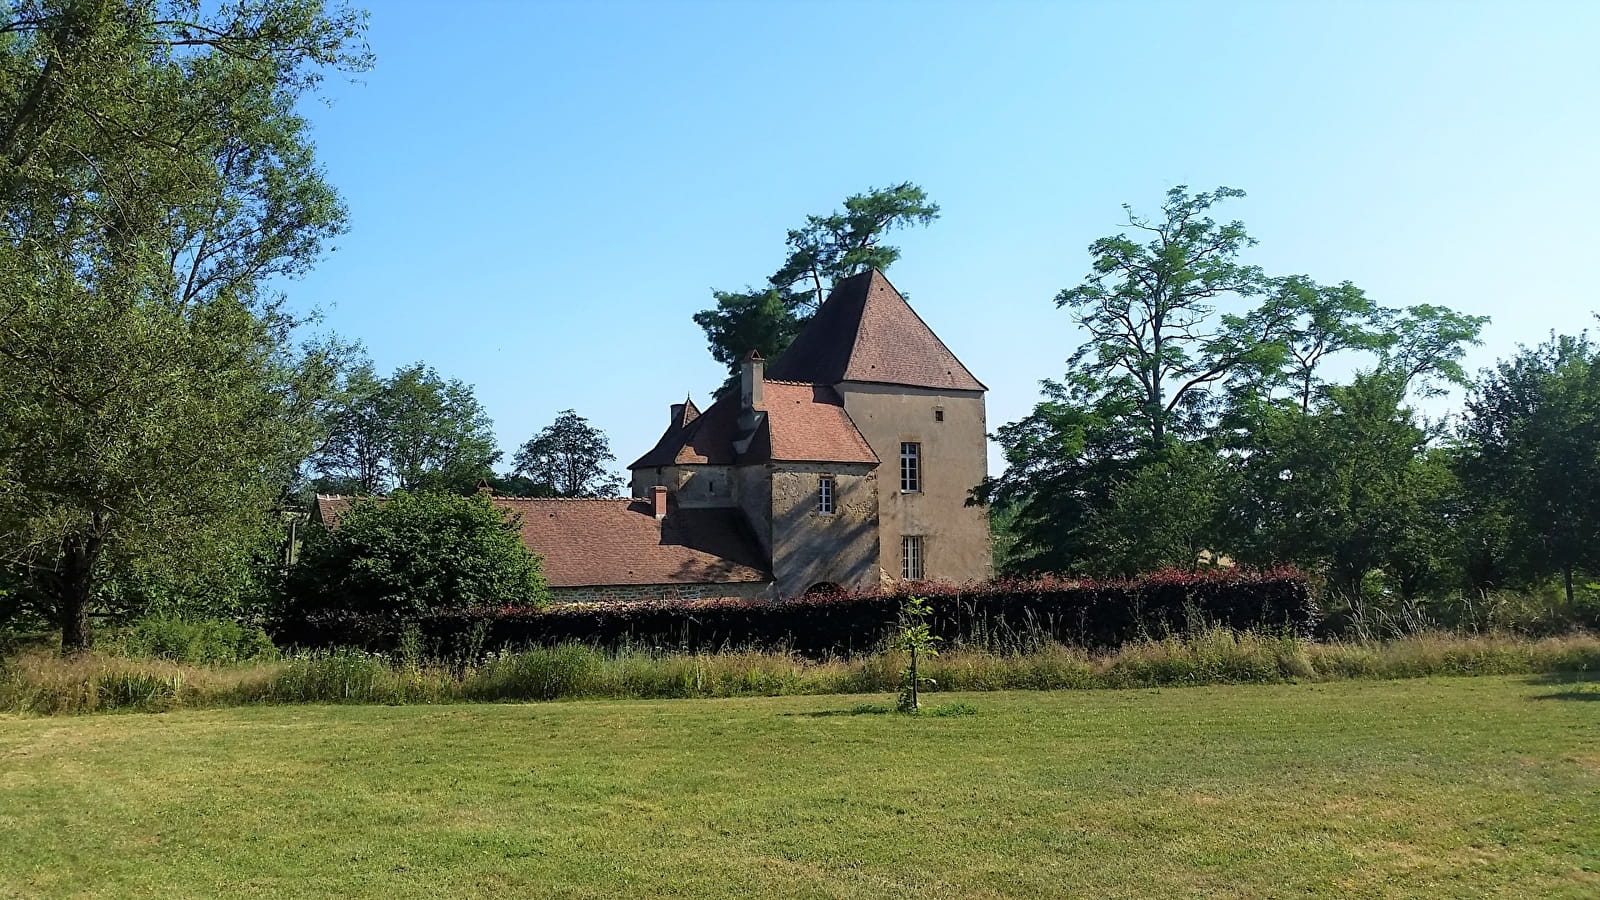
{"x":920,"y":410}
{"x":851,"y":458}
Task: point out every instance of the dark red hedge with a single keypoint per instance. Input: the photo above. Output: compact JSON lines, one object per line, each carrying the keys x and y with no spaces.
{"x":1004,"y":614}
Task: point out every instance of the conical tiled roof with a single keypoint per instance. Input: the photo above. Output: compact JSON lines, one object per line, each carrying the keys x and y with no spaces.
{"x":865,"y":331}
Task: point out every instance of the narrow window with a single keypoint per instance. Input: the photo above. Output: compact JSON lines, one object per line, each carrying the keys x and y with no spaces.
{"x":911,"y":557}
{"x":938,"y":414}
{"x":825,"y":495}
{"x":910,"y":468}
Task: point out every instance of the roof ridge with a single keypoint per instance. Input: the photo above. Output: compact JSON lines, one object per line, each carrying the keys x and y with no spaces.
{"x":577,"y":499}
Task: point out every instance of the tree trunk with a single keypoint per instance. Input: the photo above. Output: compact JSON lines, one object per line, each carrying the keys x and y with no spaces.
{"x":916,"y":702}
{"x":1566,"y":575}
{"x":74,"y":621}
{"x":74,"y":586}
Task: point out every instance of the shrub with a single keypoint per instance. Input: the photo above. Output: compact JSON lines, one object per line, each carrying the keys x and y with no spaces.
{"x":210,"y":641}
{"x":408,"y":555}
{"x":1003,"y":616}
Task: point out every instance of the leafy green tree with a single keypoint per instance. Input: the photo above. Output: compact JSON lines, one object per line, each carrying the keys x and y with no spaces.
{"x":413,"y":430}
{"x":917,"y":640}
{"x":443,"y":439}
{"x":1531,"y":451}
{"x":1426,"y":555}
{"x":1063,"y":461}
{"x":1332,"y":319}
{"x":1427,"y":345}
{"x":1199,"y":370}
{"x":822,"y":251}
{"x":155,"y":179}
{"x":1158,"y":342}
{"x":1348,"y":489}
{"x":760,"y":319}
{"x":354,"y":455}
{"x":511,"y":484}
{"x":568,"y":457}
{"x":410,"y":554}
{"x":1162,"y":513}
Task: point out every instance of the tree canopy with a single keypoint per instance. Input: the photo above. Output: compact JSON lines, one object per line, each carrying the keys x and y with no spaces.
{"x":155,"y":178}
{"x":1531,"y":454}
{"x":411,"y":554}
{"x":822,"y":251}
{"x":1199,"y":420}
{"x":413,"y":430}
{"x":568,"y":458}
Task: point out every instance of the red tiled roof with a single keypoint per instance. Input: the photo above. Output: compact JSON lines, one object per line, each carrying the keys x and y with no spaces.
{"x":803,"y":423}
{"x":865,"y":331}
{"x":618,"y":542}
{"x":808,"y":423}
{"x":602,"y":542}
{"x":331,"y":506}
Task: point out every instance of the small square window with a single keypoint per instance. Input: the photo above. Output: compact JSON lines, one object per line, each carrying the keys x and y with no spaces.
{"x":910,"y":468}
{"x":911,"y":557}
{"x":825,"y":490}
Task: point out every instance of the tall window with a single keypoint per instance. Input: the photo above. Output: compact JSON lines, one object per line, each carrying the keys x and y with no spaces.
{"x":825,"y":495}
{"x":911,"y":557}
{"x":910,"y":467}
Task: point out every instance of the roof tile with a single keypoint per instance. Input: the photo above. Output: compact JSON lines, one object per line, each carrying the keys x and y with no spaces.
{"x":803,"y":423}
{"x":620,"y":541}
{"x":865,"y":331}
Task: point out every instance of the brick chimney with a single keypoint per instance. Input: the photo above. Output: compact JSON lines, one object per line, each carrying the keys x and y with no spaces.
{"x":752,"y":389}
{"x":658,"y":500}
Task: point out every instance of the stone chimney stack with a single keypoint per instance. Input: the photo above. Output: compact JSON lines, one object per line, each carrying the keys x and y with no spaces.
{"x":752,"y":389}
{"x":658,"y":500}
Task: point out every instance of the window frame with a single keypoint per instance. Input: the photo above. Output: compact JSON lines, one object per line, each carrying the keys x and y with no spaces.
{"x":911,"y":467}
{"x":827,"y":495}
{"x":913,"y":549}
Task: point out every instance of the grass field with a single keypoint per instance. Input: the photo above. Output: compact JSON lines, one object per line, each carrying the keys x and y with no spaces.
{"x":1431,"y":787}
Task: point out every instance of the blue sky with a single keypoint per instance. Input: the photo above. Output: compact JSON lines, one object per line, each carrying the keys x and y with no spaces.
{"x":542,"y":194}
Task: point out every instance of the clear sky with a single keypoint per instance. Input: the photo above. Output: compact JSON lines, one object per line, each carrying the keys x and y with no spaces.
{"x":542,"y":194}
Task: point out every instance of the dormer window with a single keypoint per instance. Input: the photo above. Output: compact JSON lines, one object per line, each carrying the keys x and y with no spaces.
{"x":825,"y":492}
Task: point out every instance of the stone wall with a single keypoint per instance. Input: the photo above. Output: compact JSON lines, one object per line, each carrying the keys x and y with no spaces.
{"x":810,"y":547}
{"x":625,"y":592}
{"x":755,"y":500}
{"x":950,"y":427}
{"x":691,"y":486}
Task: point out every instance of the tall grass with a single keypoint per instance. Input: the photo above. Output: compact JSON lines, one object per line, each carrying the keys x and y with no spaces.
{"x":36,"y":682}
{"x":177,"y":639}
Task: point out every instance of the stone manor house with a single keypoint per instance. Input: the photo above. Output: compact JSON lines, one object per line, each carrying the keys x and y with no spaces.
{"x":844,"y":463}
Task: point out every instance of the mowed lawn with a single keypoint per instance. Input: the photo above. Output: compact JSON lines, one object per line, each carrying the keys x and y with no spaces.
{"x":1439,"y":787}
